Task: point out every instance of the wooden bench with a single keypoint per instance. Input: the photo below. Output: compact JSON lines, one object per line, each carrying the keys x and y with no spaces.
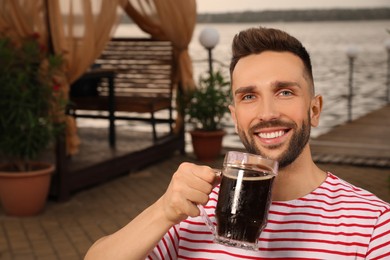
{"x":142,"y":84}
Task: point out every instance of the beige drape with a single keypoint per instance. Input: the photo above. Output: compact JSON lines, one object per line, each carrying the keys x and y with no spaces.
{"x":80,"y":36}
{"x":22,"y":18}
{"x":172,"y":20}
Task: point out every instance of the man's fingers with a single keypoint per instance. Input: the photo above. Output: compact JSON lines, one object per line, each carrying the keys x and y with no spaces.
{"x":190,"y":186}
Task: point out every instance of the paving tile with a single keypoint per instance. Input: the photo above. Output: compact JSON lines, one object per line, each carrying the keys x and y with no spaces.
{"x":42,"y":248}
{"x":23,"y":256}
{"x":5,"y":255}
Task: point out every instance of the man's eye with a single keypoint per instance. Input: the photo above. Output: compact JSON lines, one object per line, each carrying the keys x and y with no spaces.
{"x":248,"y":97}
{"x":285,"y":93}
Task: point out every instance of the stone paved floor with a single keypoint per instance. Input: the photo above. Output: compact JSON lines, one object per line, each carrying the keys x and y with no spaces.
{"x":67,"y":230}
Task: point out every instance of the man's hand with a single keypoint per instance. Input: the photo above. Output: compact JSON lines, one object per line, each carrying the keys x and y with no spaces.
{"x":190,"y":185}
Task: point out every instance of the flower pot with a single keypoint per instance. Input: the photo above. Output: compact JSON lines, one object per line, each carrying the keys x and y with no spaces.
{"x":207,"y":144}
{"x":25,"y":193}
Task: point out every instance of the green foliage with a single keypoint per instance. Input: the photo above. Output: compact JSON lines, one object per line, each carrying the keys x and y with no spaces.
{"x":209,"y":102}
{"x":29,"y":100}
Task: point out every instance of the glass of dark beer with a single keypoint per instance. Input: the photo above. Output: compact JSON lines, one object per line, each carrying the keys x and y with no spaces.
{"x":244,"y":199}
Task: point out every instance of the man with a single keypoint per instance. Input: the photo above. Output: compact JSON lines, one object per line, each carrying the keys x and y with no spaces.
{"x":313,"y":214}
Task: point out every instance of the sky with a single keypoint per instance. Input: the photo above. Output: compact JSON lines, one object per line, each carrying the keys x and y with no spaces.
{"x":218,"y":6}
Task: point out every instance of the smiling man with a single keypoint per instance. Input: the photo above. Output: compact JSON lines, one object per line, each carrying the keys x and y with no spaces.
{"x":313,"y":215}
{"x":273,"y":101}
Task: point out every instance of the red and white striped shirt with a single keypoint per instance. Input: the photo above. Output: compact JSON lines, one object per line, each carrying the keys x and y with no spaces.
{"x":335,"y":221}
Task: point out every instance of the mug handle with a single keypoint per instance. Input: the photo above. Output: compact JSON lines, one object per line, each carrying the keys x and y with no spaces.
{"x":203,"y":213}
{"x":206,"y":219}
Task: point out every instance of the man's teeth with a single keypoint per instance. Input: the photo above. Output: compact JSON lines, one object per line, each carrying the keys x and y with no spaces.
{"x":271,"y":134}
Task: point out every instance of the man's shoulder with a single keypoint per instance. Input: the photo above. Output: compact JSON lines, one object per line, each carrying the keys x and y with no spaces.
{"x":339,"y":190}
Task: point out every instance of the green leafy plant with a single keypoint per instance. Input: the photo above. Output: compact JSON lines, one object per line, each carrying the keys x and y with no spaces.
{"x":208,"y":104}
{"x":30,"y":100}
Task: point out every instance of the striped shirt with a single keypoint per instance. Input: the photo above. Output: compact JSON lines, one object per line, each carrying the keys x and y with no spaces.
{"x":335,"y":221}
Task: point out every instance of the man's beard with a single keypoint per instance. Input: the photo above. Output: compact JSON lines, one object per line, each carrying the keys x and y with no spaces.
{"x":295,"y":147}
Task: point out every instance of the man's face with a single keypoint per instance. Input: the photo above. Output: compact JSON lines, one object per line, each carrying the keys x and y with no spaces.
{"x":273,"y":106}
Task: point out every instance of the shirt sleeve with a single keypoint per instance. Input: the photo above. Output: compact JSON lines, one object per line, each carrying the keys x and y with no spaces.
{"x":168,"y":246}
{"x":379,"y":247}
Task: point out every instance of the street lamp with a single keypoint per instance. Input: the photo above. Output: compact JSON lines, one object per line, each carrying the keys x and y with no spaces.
{"x":209,"y":37}
{"x":352,"y":52}
{"x":387,"y":46}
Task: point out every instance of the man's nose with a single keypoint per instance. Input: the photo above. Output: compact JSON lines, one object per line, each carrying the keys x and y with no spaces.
{"x":268,"y":110}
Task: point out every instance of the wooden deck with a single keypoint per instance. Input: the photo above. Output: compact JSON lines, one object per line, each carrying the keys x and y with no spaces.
{"x":364,"y":141}
{"x":98,"y":162}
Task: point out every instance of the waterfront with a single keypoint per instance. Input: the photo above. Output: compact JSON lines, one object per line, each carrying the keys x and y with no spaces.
{"x":327,"y":43}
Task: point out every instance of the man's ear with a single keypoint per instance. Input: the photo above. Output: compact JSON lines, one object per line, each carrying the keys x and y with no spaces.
{"x":233,"y":115}
{"x":315,"y":110}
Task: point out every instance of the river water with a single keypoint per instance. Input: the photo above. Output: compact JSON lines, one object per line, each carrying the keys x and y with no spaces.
{"x":327,"y":43}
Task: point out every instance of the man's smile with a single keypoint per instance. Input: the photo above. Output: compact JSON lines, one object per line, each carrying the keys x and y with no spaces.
{"x":271,"y":135}
{"x":272,"y":131}
{"x":275,"y":136}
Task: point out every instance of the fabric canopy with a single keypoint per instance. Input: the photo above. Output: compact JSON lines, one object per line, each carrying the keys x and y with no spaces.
{"x":172,"y":20}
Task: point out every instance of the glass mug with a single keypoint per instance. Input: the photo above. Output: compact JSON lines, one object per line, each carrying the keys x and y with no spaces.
{"x":243,"y":200}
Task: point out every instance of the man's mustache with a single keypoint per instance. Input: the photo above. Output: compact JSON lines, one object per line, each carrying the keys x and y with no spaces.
{"x":272,"y":123}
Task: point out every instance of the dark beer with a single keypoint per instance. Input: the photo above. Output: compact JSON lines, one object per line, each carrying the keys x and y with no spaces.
{"x":242,"y":207}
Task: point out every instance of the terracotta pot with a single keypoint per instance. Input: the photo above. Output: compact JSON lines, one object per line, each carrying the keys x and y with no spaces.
{"x":25,"y":193}
{"x":207,"y":145}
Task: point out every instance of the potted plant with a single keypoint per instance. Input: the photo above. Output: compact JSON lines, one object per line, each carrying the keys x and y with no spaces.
{"x":30,"y":102}
{"x":207,"y":106}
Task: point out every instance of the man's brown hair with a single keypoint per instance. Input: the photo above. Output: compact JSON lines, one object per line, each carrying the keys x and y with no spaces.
{"x":260,"y":39}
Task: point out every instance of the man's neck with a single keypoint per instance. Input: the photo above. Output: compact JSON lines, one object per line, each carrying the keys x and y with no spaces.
{"x":298,"y":179}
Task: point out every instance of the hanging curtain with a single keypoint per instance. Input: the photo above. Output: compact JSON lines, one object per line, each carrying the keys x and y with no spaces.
{"x":80,"y":36}
{"x":22,"y":18}
{"x":77,"y":29}
{"x":172,"y":20}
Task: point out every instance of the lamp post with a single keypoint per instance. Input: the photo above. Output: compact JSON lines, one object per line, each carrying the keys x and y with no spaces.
{"x":387,"y":46}
{"x":208,"y":38}
{"x":352,"y":52}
